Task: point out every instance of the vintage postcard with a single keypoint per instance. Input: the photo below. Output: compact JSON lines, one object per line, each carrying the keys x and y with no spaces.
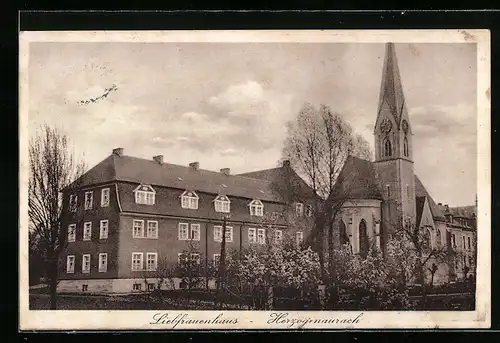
{"x":254,"y":180}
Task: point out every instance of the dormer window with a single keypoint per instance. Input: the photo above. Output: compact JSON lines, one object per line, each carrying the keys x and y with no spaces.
{"x":222,"y":204}
{"x":189,"y":200}
{"x":145,"y":194}
{"x":256,"y":208}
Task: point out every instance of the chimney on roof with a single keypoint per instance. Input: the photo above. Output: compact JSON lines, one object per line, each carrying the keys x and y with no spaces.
{"x":226,"y":171}
{"x":118,"y":151}
{"x":195,"y":165}
{"x":286,"y":163}
{"x":158,"y":159}
{"x":440,"y":204}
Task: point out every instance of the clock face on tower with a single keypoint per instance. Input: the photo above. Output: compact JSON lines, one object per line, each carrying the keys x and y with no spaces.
{"x":386,"y":125}
{"x":405,"y":126}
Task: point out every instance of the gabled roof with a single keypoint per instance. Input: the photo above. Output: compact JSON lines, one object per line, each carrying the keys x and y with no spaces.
{"x":285,"y":177}
{"x":460,"y":211}
{"x":420,"y":191}
{"x":139,"y":170}
{"x":357,"y":180}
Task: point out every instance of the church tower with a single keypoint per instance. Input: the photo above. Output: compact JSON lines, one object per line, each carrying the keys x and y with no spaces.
{"x":393,"y":144}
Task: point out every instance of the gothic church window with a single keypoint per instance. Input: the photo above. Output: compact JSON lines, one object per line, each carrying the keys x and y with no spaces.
{"x":363,"y":239}
{"x":387,"y":148}
{"x":405,"y":147}
{"x":343,"y":233}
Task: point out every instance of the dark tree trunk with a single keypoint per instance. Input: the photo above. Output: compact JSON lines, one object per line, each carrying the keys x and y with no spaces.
{"x":52,"y":273}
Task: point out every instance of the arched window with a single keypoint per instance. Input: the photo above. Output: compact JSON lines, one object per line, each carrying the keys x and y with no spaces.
{"x":344,"y":239}
{"x":438,"y":237}
{"x":405,"y":147}
{"x":387,"y":148}
{"x":363,"y":239}
{"x":426,"y":239}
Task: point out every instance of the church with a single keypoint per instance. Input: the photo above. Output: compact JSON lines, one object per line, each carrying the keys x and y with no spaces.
{"x":387,"y":192}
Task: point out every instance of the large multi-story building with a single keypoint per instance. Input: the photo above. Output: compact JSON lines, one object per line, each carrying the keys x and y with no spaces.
{"x":127,"y":214}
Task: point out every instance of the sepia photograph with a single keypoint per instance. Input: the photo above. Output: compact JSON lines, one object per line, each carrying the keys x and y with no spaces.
{"x":250,"y":179}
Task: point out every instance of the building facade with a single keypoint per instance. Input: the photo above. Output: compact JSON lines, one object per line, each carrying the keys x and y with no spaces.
{"x":127,"y":215}
{"x":384,"y":193}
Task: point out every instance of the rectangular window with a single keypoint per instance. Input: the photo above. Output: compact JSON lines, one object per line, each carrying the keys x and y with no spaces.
{"x":278,"y":236}
{"x":299,"y":236}
{"x":189,"y":200}
{"x":137,"y":261}
{"x":453,"y":242}
{"x":217,"y":233}
{"x":222,"y":206}
{"x":87,"y":231}
{"x":299,"y":209}
{"x":469,"y":243}
{"x":151,"y":287}
{"x":388,"y":191}
{"x":103,"y":230}
{"x":309,"y":210}
{"x":144,"y":197}
{"x":463,"y":242}
{"x":73,"y":202}
{"x":105,"y":197}
{"x":103,"y":262}
{"x":138,"y":228}
{"x":183,"y":231}
{"x":136,"y":287}
{"x":86,"y":263}
{"x":152,"y":229}
{"x":252,"y":237}
{"x":85,"y":287}
{"x":256,"y":210}
{"x":216,"y":260}
{"x":195,"y":232}
{"x":70,"y":264}
{"x":89,"y":198}
{"x":151,"y":261}
{"x":71,"y":232}
{"x":261,"y":236}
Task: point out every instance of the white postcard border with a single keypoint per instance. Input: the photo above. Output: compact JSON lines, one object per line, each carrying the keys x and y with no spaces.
{"x":128,"y":320}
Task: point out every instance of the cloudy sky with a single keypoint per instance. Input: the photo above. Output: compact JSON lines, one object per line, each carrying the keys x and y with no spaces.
{"x":226,"y":104}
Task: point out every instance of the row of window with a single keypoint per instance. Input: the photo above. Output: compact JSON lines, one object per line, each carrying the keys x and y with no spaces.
{"x":87,"y":231}
{"x":89,"y":200}
{"x":186,"y":232}
{"x":103,"y":263}
{"x":465,"y":246}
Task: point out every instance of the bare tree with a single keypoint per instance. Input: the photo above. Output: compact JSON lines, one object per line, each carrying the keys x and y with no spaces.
{"x":318,"y":143}
{"x":52,"y":167}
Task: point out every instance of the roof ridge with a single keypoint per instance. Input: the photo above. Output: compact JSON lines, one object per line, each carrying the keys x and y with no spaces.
{"x":187,"y":167}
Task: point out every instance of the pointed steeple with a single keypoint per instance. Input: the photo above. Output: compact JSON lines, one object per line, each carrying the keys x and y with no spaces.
{"x":391,"y":90}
